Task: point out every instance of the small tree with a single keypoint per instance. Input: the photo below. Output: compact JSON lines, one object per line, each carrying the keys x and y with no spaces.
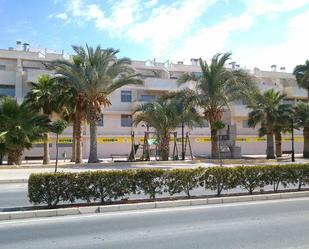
{"x":58,"y":127}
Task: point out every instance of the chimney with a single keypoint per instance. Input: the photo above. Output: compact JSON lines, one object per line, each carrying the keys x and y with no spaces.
{"x":18,"y":46}
{"x":282,"y":69}
{"x":26,"y":47}
{"x":274,"y":68}
{"x":194,"y":62}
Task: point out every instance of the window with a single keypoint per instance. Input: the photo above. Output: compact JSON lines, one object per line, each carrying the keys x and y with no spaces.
{"x":126,"y":96}
{"x":2,"y":67}
{"x":6,"y":90}
{"x":206,"y":124}
{"x":245,"y":124}
{"x":245,"y":102}
{"x":146,"y":98}
{"x":100,"y":121}
{"x":31,"y":68}
{"x":126,"y":120}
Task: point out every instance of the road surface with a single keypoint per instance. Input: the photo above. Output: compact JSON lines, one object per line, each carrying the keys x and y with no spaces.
{"x":276,"y":224}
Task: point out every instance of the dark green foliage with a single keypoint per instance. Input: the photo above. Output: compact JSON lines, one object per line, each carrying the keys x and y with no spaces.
{"x":183,"y":180}
{"x":52,"y":188}
{"x":250,"y":177}
{"x":150,"y":181}
{"x":219,"y":178}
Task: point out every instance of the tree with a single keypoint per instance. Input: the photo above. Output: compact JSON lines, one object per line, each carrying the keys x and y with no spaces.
{"x":44,"y":97}
{"x":165,"y":116}
{"x":216,"y":88}
{"x":20,"y":127}
{"x":301,"y":73}
{"x":58,"y":127}
{"x":302,"y":120}
{"x":266,"y":111}
{"x":95,"y":74}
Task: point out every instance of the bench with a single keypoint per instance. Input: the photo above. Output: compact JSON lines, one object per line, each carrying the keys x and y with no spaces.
{"x":33,"y":158}
{"x":287,"y":152}
{"x":119,"y":156}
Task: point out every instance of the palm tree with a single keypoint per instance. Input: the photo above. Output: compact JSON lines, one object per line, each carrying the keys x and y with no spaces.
{"x":302,"y":120}
{"x":266,"y":111}
{"x":165,"y":116}
{"x":20,"y":126}
{"x":301,"y":73}
{"x":216,"y":88}
{"x":186,"y":101}
{"x":95,"y":74}
{"x":44,"y":97}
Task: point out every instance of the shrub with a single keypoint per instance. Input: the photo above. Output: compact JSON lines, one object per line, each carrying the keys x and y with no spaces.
{"x":250,"y":177}
{"x":183,"y":180}
{"x":219,"y":178}
{"x":112,"y":185}
{"x":150,"y":181}
{"x":50,"y":188}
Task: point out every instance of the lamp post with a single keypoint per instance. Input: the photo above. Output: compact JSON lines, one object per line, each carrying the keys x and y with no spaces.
{"x":293,"y":151}
{"x":182,"y":142}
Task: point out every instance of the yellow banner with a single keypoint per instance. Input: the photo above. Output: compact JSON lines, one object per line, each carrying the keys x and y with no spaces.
{"x":103,"y":140}
{"x":203,"y":139}
{"x":243,"y":139}
{"x":65,"y":140}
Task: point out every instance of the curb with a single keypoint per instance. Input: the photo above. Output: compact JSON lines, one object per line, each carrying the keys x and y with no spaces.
{"x":6,"y":181}
{"x":146,"y":205}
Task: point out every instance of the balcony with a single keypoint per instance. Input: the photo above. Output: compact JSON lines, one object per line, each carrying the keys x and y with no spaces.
{"x":295,"y":92}
{"x":7,"y":77}
{"x":239,"y":111}
{"x":157,"y":84}
{"x":33,"y":74}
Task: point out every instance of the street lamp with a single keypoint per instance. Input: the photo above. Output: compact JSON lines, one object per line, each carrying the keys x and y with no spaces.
{"x":293,"y":151}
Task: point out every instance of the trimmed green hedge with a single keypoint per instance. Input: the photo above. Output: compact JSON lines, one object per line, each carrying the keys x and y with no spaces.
{"x":52,"y":188}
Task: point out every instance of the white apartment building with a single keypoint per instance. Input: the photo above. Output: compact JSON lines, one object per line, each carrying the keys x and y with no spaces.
{"x":22,"y":64}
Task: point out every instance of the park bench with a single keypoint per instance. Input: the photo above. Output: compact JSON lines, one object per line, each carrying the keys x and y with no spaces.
{"x":113,"y":156}
{"x":27,"y":158}
{"x":287,"y":152}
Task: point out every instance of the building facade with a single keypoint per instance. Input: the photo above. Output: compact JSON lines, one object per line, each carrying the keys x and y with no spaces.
{"x":22,"y":64}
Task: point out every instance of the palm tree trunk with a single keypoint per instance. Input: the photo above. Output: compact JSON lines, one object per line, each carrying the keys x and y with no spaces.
{"x":93,"y":155}
{"x":46,"y":157}
{"x":73,"y":156}
{"x":278,"y":142}
{"x":306,"y":142}
{"x":78,"y":138}
{"x":270,"y":153}
{"x":165,"y":146}
{"x":14,"y":156}
{"x":214,"y":143}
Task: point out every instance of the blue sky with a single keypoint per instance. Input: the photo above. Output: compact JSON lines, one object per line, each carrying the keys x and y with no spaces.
{"x":257,"y":32}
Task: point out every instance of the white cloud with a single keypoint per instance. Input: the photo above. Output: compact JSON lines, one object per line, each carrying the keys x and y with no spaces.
{"x":168,"y":23}
{"x":207,"y":41}
{"x":294,"y":50}
{"x":62,"y":16}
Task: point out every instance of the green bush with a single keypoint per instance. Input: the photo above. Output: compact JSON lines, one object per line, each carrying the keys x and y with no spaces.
{"x":150,"y":181}
{"x":52,"y":188}
{"x":183,"y":180}
{"x":250,"y":177}
{"x":219,"y":178}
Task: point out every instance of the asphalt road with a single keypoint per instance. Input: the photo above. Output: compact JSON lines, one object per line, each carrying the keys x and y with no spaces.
{"x":280,"y":224}
{"x":16,"y":195}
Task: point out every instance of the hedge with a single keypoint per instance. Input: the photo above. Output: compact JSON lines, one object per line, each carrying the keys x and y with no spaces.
{"x":107,"y":186}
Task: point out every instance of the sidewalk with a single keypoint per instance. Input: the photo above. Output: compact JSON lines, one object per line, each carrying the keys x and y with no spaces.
{"x":20,"y":174}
